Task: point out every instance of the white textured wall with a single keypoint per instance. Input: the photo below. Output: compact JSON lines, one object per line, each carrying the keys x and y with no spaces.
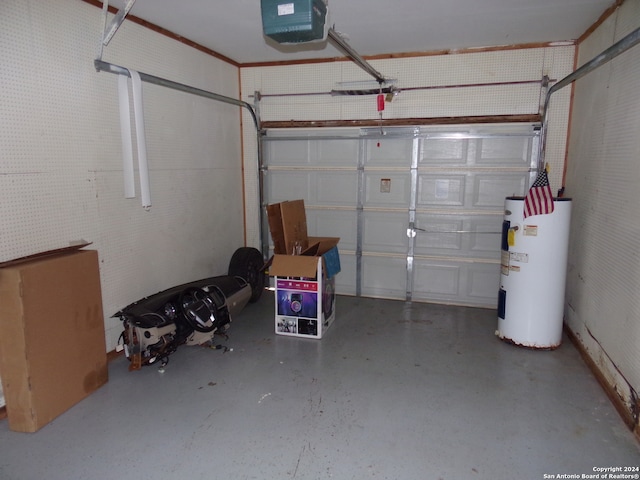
{"x":603,"y":177}
{"x":438,"y":70}
{"x":61,"y":167}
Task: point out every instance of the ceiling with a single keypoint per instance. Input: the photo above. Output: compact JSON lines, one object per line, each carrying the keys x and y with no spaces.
{"x":375,"y":27}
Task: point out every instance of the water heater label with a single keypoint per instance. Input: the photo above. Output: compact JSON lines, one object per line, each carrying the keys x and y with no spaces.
{"x":530,"y":230}
{"x":286,"y":9}
{"x":519,"y":257}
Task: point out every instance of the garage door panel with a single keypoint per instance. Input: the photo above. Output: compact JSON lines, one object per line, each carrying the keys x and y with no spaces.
{"x":290,"y":152}
{"x":504,"y":151}
{"x":340,"y":153}
{"x":468,"y":236}
{"x":315,"y":187}
{"x":388,"y":152}
{"x":439,"y":280}
{"x":346,"y":279}
{"x":288,"y":185}
{"x":384,"y":277}
{"x":334,"y":223}
{"x":490,"y":189}
{"x":334,"y":188}
{"x":437,"y":152}
{"x":385,"y":232}
{"x":387,"y":189}
{"x":441,"y":189}
{"x":483,"y":283}
{"x":310,"y":152}
{"x":437,"y":235}
{"x":464,"y":283}
{"x":486,"y":236}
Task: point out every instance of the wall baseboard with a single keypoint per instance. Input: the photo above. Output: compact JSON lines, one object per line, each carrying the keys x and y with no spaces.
{"x":113,"y":355}
{"x":618,"y":403}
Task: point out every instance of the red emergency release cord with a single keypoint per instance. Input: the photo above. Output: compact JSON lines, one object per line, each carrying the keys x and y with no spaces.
{"x":380,"y":101}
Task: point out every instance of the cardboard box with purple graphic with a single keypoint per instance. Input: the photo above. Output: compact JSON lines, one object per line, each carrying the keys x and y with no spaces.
{"x":305,"y":280}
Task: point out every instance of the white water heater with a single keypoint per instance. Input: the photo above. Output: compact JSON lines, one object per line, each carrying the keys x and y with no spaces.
{"x":533,"y":274}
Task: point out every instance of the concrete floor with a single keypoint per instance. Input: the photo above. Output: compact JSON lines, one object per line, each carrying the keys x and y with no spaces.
{"x":393,"y":391}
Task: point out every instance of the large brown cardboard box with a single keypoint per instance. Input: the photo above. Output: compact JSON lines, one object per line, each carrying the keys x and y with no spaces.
{"x":52,"y":343}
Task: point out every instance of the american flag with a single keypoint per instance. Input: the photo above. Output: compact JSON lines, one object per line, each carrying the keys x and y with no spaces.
{"x":539,"y":200}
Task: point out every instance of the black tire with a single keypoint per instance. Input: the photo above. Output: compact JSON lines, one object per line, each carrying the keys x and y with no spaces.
{"x":248,"y":263}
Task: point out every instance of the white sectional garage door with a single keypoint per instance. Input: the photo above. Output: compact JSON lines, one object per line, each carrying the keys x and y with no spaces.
{"x":418,"y":210}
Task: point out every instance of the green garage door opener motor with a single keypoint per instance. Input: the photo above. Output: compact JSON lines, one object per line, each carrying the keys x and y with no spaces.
{"x":294,"y":21}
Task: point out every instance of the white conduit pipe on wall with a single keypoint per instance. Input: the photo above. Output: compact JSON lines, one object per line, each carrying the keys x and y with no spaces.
{"x":138,"y":112}
{"x":127,"y":136}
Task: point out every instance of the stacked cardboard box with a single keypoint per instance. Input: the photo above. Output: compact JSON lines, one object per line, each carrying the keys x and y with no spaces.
{"x":304,"y":270}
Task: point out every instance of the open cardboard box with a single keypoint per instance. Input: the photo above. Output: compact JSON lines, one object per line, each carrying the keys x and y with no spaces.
{"x":304,"y":283}
{"x":288,"y":226}
{"x":52,"y":342}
